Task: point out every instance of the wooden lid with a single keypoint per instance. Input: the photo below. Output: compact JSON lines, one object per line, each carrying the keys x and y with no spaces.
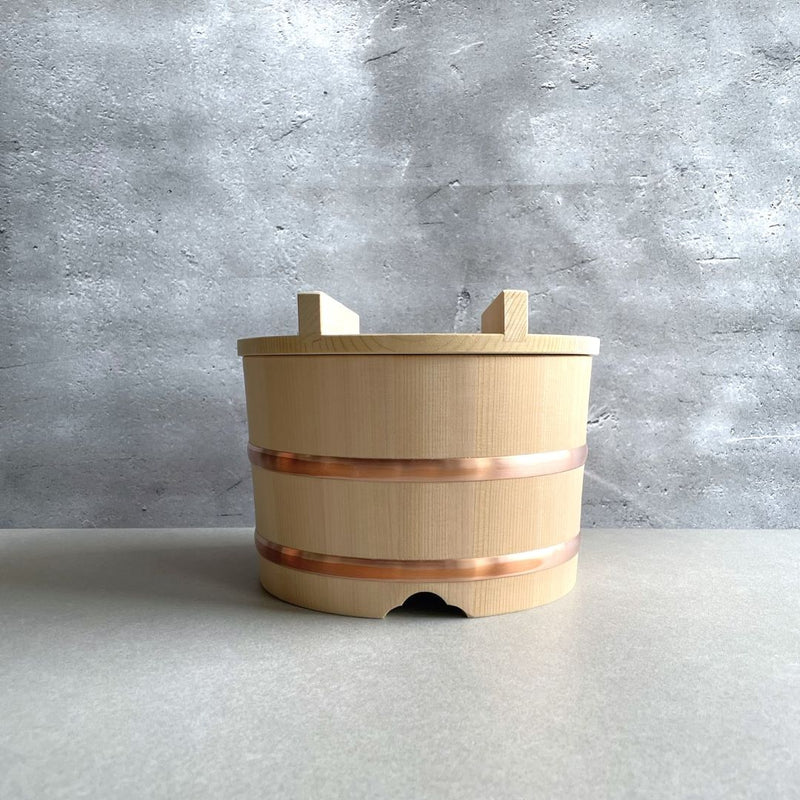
{"x":327,"y":327}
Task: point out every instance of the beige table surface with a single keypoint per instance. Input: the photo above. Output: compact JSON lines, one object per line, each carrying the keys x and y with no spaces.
{"x":150,"y":664}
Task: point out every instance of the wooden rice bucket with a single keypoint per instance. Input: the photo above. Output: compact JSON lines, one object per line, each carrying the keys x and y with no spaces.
{"x":388,"y":465}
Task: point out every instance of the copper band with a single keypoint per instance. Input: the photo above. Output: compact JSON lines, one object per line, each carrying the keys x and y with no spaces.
{"x":419,"y":469}
{"x":450,"y":569}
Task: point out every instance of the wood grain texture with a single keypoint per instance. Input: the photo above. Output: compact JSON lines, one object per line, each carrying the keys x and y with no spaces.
{"x":445,"y":406}
{"x":507,"y":314}
{"x":419,"y":344}
{"x":365,"y":519}
{"x":318,"y":314}
{"x":376,"y":599}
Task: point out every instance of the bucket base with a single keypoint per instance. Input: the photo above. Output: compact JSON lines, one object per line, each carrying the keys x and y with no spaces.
{"x":369,"y":598}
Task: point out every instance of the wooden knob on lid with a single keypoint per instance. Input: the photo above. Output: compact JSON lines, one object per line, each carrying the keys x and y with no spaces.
{"x":321,"y":315}
{"x":507,"y":314}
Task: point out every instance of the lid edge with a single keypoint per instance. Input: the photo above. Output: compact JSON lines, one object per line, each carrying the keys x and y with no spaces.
{"x":419,"y":344}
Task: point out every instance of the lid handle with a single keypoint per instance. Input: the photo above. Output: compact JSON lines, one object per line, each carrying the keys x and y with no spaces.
{"x":321,"y":315}
{"x":507,"y":314}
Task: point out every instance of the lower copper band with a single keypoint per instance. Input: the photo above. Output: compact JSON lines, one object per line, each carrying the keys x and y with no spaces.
{"x":419,"y":469}
{"x":449,"y":569}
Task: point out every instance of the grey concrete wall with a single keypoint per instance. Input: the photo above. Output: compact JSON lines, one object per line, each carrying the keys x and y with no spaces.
{"x":175,"y":172}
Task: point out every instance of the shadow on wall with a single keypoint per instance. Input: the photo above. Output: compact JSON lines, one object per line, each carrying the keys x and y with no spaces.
{"x":143,"y":453}
{"x":469,"y":192}
{"x":198,"y":444}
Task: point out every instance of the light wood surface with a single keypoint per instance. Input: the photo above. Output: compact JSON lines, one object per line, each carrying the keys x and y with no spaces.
{"x":420,"y":344}
{"x":460,"y":403}
{"x":439,"y":406}
{"x":325,"y":326}
{"x":318,"y":314}
{"x":507,"y":314}
{"x":428,"y":520}
{"x":376,"y":599}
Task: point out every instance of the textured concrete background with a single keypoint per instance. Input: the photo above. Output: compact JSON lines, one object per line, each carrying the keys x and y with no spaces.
{"x":175,"y":172}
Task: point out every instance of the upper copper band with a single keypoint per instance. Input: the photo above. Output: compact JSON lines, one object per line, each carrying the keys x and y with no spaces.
{"x":419,"y":469}
{"x":450,"y":569}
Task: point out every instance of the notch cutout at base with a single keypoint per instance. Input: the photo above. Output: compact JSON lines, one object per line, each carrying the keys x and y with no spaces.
{"x":426,"y":604}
